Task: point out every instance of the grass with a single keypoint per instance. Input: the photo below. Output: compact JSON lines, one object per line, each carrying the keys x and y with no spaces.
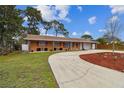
{"x":26,"y":70}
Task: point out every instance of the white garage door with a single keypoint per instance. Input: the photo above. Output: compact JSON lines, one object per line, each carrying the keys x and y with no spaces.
{"x":93,"y":46}
{"x":86,"y":45}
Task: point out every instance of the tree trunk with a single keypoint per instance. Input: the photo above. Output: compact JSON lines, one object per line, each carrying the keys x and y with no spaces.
{"x":46,"y":32}
{"x":113,"y":47}
{"x":56,"y":33}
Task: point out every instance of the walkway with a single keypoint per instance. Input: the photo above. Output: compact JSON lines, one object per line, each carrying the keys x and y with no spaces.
{"x":71,"y":71}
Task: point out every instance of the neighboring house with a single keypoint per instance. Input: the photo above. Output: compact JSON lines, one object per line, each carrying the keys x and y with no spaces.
{"x":52,"y":43}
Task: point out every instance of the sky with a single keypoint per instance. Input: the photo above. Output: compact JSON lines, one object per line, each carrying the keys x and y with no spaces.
{"x":80,"y":20}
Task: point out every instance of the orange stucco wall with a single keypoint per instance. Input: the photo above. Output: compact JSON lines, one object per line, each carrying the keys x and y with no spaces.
{"x":35,"y":44}
{"x":75,"y":46}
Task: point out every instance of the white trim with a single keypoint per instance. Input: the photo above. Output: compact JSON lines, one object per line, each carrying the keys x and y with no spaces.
{"x":81,"y":46}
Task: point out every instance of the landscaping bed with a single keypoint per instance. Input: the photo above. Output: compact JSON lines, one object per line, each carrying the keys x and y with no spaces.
{"x":106,"y":59}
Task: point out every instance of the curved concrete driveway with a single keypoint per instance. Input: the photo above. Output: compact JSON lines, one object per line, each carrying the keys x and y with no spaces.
{"x":71,"y":71}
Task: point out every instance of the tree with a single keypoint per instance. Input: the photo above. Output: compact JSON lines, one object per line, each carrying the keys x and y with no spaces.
{"x":34,"y":18}
{"x":102,"y":40}
{"x":59,"y":28}
{"x":87,"y":37}
{"x":12,"y":31}
{"x":55,"y":26}
{"x":47,"y":26}
{"x":10,"y":26}
{"x":108,"y":39}
{"x":66,"y":33}
{"x":62,"y":30}
{"x":113,"y":28}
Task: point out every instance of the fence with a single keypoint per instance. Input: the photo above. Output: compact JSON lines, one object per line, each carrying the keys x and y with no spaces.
{"x":109,"y":46}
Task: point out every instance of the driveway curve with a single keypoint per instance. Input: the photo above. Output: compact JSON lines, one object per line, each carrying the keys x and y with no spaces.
{"x":71,"y":71}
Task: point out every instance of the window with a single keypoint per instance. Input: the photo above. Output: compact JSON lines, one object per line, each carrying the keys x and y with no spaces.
{"x":37,"y":43}
{"x":77,"y":45}
{"x":66,"y":44}
{"x":60,"y":49}
{"x":45,"y":49}
{"x":42,"y":43}
{"x":73,"y":44}
{"x":57,"y":44}
{"x":38,"y":49}
{"x":55,"y":49}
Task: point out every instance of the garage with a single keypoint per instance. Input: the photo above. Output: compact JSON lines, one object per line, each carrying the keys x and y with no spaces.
{"x":87,"y":46}
{"x":93,"y":46}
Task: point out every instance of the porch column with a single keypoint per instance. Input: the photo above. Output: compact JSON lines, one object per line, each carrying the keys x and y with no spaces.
{"x":53,"y":45}
{"x":93,"y":46}
{"x":81,"y":46}
{"x":71,"y":45}
{"x":28,"y":42}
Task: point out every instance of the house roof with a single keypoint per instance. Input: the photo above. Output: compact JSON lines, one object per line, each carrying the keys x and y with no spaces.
{"x":53,"y":38}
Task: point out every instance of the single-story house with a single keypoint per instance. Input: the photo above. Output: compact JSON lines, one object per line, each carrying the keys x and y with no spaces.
{"x":52,"y":43}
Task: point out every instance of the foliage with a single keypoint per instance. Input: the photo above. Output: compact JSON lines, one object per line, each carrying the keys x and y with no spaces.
{"x":59,"y":28}
{"x":47,"y":26}
{"x":102,"y":40}
{"x":10,"y":26}
{"x":87,"y":37}
{"x":105,"y":40}
{"x":34,"y":18}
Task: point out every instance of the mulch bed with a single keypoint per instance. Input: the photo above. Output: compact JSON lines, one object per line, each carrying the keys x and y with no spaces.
{"x":106,"y":59}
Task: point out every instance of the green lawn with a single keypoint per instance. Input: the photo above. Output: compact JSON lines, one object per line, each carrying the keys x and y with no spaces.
{"x":26,"y":70}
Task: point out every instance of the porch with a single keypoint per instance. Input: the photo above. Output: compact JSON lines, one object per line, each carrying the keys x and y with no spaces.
{"x":54,"y":46}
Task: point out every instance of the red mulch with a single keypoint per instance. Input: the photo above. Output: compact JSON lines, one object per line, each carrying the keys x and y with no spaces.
{"x":106,"y":59}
